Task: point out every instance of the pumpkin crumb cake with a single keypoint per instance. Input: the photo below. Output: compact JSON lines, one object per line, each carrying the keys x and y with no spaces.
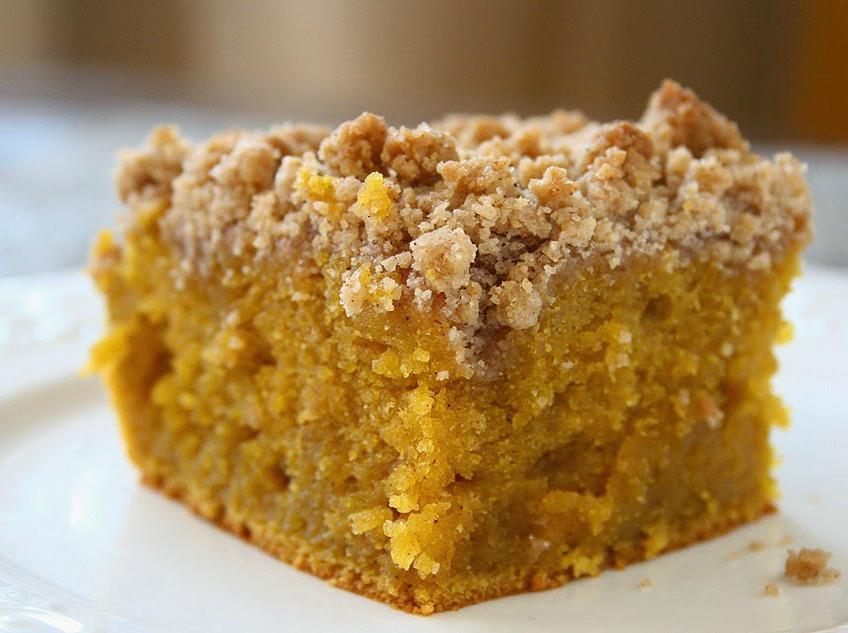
{"x":478,"y":357}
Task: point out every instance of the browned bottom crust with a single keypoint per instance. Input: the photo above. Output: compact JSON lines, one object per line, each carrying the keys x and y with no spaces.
{"x":337,"y":576}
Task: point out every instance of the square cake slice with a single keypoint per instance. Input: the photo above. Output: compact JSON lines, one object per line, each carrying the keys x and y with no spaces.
{"x":444,"y":364}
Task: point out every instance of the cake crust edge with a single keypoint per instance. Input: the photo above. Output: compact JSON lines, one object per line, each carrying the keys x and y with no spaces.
{"x":351,"y":581}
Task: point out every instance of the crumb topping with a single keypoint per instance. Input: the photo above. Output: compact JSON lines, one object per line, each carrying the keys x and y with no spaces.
{"x":414,"y":155}
{"x":809,"y":567}
{"x":443,"y":258}
{"x":355,"y":147}
{"x":472,"y":216}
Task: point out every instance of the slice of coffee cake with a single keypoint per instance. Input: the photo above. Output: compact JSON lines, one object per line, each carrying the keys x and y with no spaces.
{"x":444,"y":364}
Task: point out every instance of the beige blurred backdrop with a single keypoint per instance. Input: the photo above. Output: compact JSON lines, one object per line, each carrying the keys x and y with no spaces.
{"x":777,"y":66}
{"x":78,"y":78}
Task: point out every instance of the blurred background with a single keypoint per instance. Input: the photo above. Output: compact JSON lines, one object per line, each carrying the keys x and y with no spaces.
{"x":80,"y":78}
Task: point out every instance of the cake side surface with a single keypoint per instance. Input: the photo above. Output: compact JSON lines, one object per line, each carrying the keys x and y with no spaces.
{"x":479,"y":357}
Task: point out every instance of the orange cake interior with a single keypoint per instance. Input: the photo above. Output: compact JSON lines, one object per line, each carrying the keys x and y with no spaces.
{"x":444,"y":364}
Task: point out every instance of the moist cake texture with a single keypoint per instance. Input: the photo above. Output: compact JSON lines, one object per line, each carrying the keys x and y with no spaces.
{"x":444,"y":364}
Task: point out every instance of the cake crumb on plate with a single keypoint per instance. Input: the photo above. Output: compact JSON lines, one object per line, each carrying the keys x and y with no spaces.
{"x":809,"y":567}
{"x":771,"y":590}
